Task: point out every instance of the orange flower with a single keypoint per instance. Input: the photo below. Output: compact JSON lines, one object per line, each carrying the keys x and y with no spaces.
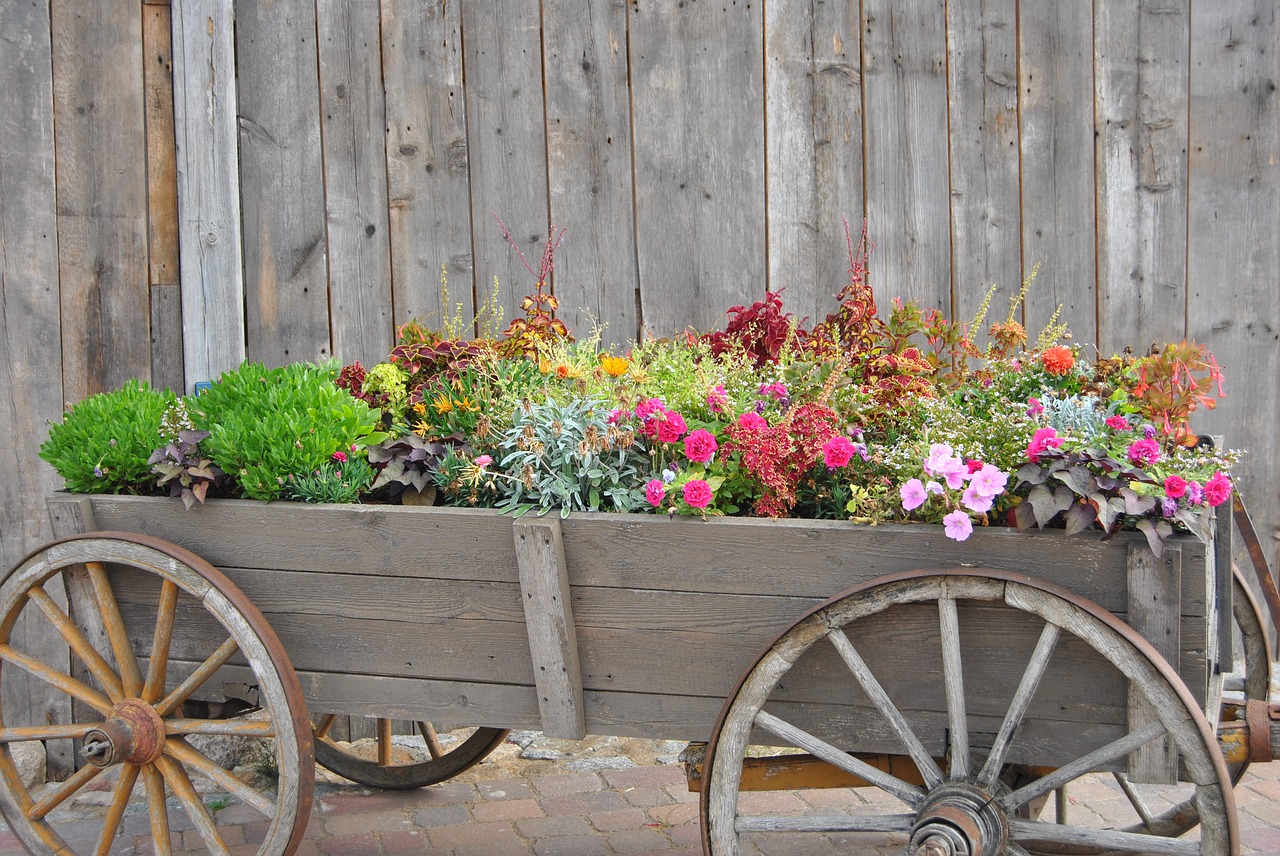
{"x":1058,"y":360}
{"x":614,"y":366}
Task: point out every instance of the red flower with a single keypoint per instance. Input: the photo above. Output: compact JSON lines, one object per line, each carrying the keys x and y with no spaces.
{"x":1175,"y":487}
{"x":700,"y":446}
{"x":340,"y":457}
{"x":1217,"y":489}
{"x":697,"y":493}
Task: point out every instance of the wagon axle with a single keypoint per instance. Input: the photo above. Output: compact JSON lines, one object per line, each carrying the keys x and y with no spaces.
{"x":133,"y":734}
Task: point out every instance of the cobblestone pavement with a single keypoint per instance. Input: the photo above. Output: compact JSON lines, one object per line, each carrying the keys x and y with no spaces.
{"x":600,"y":797}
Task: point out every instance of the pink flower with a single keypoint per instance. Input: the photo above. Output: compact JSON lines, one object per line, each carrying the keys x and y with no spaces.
{"x":655,"y":491}
{"x":837,"y":451}
{"x":697,"y":493}
{"x":717,"y":399}
{"x":1034,"y":407}
{"x":1144,"y":452}
{"x":649,"y":407}
{"x":959,"y":526}
{"x":483,"y":461}
{"x":700,"y":446}
{"x":1175,"y":487}
{"x":1118,"y":423}
{"x":939,"y":454}
{"x":988,"y":481}
{"x":777,"y":390}
{"x":671,"y":428}
{"x":752,"y":421}
{"x":974,"y":465}
{"x":934,"y":488}
{"x":340,"y":457}
{"x":1043,"y":440}
{"x":913,"y":495}
{"x":975,"y":501}
{"x":1217,"y":489}
{"x":955,"y":472}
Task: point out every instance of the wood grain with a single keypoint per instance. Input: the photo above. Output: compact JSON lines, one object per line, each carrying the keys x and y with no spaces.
{"x":697,"y":95}
{"x":908,"y":207}
{"x":814,"y":121}
{"x":204,"y":116}
{"x":162,"y":161}
{"x":588,"y":123}
{"x":354,"y":132}
{"x":286,"y":257}
{"x":428,"y":161}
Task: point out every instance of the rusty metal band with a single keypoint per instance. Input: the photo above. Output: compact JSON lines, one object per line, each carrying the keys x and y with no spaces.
{"x":1259,"y":558}
{"x":1257,"y":714}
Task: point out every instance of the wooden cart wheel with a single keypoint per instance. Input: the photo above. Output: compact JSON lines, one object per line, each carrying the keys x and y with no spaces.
{"x":132,"y":593}
{"x":958,"y":803}
{"x":395,"y":768}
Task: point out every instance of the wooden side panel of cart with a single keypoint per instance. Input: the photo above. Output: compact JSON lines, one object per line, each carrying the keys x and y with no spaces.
{"x":421,"y":613}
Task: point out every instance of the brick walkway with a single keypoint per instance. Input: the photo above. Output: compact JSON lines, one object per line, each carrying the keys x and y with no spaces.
{"x":535,"y":810}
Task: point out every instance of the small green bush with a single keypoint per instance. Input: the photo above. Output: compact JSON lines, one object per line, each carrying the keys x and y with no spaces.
{"x":268,"y":424}
{"x":103,"y":443}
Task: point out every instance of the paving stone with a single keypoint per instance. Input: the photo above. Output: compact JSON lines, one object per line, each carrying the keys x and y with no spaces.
{"x":374,"y":821}
{"x":506,"y":790}
{"x":404,"y":841}
{"x":549,"y":827}
{"x":473,"y":835}
{"x":645,"y":777}
{"x":363,"y":844}
{"x":674,"y":815}
{"x":568,"y":783}
{"x":506,"y":810}
{"x":587,"y":845}
{"x":610,"y":821}
{"x":441,"y":815}
{"x":630,"y":841}
{"x":581,"y":804}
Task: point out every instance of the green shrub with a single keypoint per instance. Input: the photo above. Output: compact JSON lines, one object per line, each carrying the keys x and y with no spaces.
{"x":103,"y":443}
{"x":268,"y":424}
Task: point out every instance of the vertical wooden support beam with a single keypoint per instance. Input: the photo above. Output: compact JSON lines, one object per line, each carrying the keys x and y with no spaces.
{"x":71,"y":515}
{"x":544,"y":590}
{"x":1223,"y":544}
{"x":1155,"y":611}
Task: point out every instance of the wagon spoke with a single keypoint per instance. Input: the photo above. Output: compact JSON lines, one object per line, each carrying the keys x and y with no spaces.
{"x":833,"y":823}
{"x":157,"y":808}
{"x":196,"y":679}
{"x":188,"y":755}
{"x":924,"y":762}
{"x":953,"y":680}
{"x":428,"y":732}
{"x":229,"y":727}
{"x":1028,"y":832}
{"x":1085,"y":764}
{"x":58,"y":680}
{"x":47,"y":732}
{"x":126,"y":662}
{"x":326,"y":723}
{"x":1014,"y":849}
{"x":74,"y":782}
{"x":1018,"y":706}
{"x":176,"y":777}
{"x":115,"y":811}
{"x":904,"y":791}
{"x":384,"y":741}
{"x":1135,"y":799}
{"x":160,"y":642}
{"x":75,"y":640}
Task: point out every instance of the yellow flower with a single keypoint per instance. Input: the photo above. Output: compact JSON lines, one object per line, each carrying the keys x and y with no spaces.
{"x":442,"y":404}
{"x":466,"y":404}
{"x":614,"y":366}
{"x":544,"y":366}
{"x":420,"y":409}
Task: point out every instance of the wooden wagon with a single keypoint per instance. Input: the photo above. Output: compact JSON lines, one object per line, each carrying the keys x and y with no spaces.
{"x":970,"y":680}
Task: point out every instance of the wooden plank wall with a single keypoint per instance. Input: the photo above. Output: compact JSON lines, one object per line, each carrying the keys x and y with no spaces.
{"x":696,"y":153}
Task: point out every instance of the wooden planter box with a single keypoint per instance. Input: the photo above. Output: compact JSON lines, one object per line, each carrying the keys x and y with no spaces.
{"x":640,"y":625}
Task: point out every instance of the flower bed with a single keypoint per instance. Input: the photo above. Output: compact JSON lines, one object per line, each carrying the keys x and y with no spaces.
{"x":873,"y":417}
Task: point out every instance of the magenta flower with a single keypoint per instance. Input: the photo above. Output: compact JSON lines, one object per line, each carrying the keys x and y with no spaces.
{"x":1217,"y":490}
{"x":1144,"y":452}
{"x":1043,"y":440}
{"x":1118,"y":423}
{"x":959,"y":526}
{"x":655,"y":491}
{"x":752,"y":421}
{"x":649,"y":407}
{"x":913,"y":495}
{"x":1034,"y":407}
{"x":340,"y":457}
{"x":1175,"y":487}
{"x":988,"y":481}
{"x":697,"y":493}
{"x":837,"y":452}
{"x":1195,"y":493}
{"x":777,"y":390}
{"x":700,"y":446}
{"x":671,"y":428}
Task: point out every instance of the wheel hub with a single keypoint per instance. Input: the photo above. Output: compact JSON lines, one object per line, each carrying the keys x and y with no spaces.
{"x":959,"y":820}
{"x":134,"y":733}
